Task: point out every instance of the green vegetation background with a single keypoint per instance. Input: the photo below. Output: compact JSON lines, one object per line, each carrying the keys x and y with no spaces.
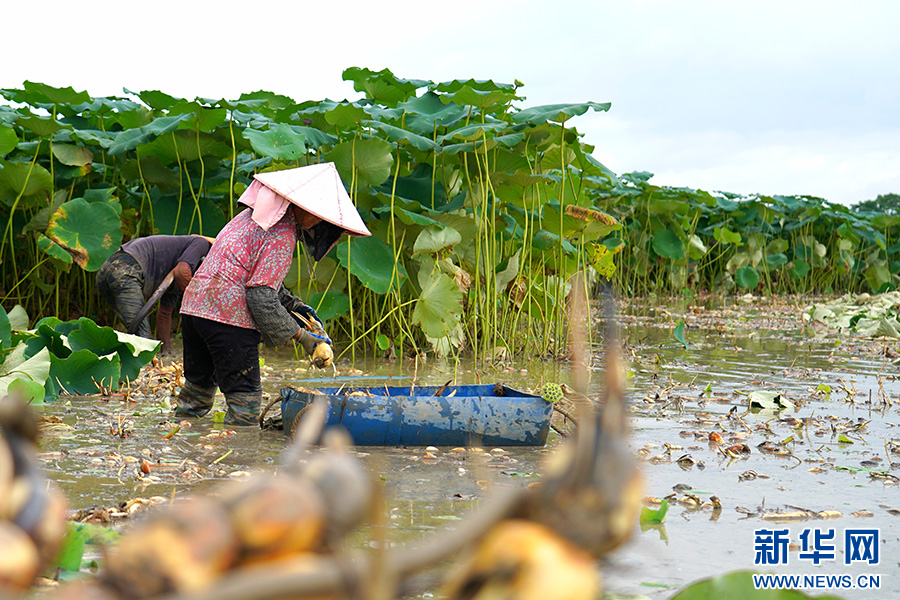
{"x":482,"y":210}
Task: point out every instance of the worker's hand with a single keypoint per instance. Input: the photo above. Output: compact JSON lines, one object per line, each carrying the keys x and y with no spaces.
{"x":182,"y":275}
{"x":310,"y":340}
{"x":164,"y":327}
{"x":307,"y":312}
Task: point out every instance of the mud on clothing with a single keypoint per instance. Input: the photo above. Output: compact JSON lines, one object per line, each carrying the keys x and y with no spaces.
{"x":133,"y":273}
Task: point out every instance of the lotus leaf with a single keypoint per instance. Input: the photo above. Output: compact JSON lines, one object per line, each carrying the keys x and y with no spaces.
{"x":280,"y":142}
{"x":366,"y":161}
{"x":90,"y":232}
{"x":23,"y":179}
{"x":800,"y":268}
{"x":132,"y":138}
{"x":432,"y":240}
{"x":330,"y":304}
{"x":81,"y":372}
{"x":439,"y":306}
{"x":401,"y":135}
{"x":345,"y":115}
{"x":559,"y":113}
{"x":726,"y":236}
{"x":53,"y":249}
{"x":8,"y":140}
{"x":667,"y":244}
{"x":382,"y":86}
{"x":428,"y":112}
{"x":746,"y":277}
{"x":204,"y":217}
{"x":769,"y":400}
{"x":71,"y":155}
{"x":371,"y":261}
{"x":16,"y":366}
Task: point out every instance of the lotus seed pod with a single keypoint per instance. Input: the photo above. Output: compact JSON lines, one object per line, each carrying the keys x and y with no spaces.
{"x":19,"y":559}
{"x":274,"y":517}
{"x":346,"y":488}
{"x":50,"y":530}
{"x":323,"y":355}
{"x":528,"y":561}
{"x":183,"y":548}
{"x":7,"y":472}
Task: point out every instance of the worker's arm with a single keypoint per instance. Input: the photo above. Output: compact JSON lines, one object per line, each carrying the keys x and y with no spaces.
{"x":275,"y":324}
{"x":164,"y":327}
{"x":294,"y":304}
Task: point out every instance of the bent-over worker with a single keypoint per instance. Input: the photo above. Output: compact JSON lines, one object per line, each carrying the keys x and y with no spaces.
{"x":237,"y":299}
{"x":130,"y":276}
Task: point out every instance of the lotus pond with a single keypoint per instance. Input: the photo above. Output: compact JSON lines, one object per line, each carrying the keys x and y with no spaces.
{"x":818,"y":453}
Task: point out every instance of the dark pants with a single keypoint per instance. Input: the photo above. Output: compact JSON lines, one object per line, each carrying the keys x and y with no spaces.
{"x":120,"y":282}
{"x":218,"y":354}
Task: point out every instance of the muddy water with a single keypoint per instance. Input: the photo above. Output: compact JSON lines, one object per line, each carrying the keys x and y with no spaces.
{"x":678,"y":396}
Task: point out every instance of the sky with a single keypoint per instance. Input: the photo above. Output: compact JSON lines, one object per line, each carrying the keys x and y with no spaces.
{"x":762,"y":97}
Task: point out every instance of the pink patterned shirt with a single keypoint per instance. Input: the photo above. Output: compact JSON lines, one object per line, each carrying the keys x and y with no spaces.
{"x":244,"y":255}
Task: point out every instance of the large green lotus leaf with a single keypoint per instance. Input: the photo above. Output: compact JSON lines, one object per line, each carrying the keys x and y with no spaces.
{"x":184,"y":145}
{"x":469,"y":96}
{"x":776,"y":260}
{"x":401,"y":135}
{"x":558,"y":113}
{"x":432,"y":240}
{"x":878,"y":276}
{"x":428,"y":112}
{"x":507,"y":271}
{"x":155,"y":99}
{"x":315,"y":138}
{"x":53,"y":249}
{"x":799,"y":269}
{"x":203,"y":118}
{"x":330,"y":304}
{"x":23,"y":178}
{"x":370,"y":260}
{"x":382,"y":86}
{"x":74,"y":156}
{"x":407,"y":217}
{"x":40,"y":126}
{"x":89,"y":231}
{"x":439,"y":306}
{"x":726,"y":236}
{"x":5,"y":329}
{"x":134,"y":117}
{"x":29,"y":390}
{"x":544,"y":240}
{"x":41,"y":93}
{"x":132,"y":138}
{"x":475,"y":131}
{"x":746,"y":277}
{"x":370,"y":159}
{"x":667,"y":244}
{"x":134,"y":352}
{"x":90,"y":336}
{"x":16,"y":366}
{"x":169,"y":219}
{"x":153,"y":172}
{"x":345,"y":115}
{"x":18,"y":318}
{"x":8,"y":140}
{"x":280,"y":141}
{"x":77,"y":373}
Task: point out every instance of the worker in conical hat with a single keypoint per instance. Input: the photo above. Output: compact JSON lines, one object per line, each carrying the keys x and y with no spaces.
{"x":237,"y":298}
